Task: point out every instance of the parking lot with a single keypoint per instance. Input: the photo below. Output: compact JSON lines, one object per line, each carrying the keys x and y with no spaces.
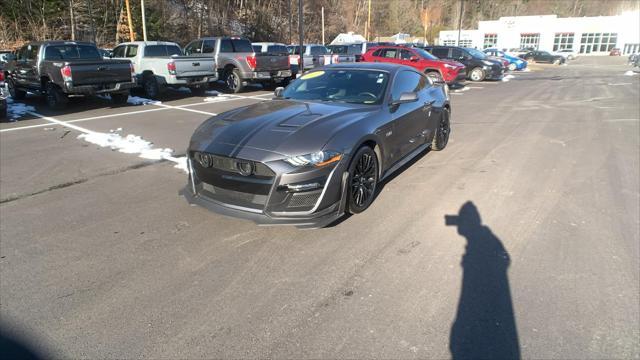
{"x":102,"y":257}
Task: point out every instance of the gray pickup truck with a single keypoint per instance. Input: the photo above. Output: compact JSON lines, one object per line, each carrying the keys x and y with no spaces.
{"x":315,"y":55}
{"x":238,"y":64}
{"x":58,"y":69}
{"x":160,"y":64}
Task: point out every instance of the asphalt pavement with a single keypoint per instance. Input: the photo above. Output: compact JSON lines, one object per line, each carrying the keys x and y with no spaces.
{"x":100,"y":256}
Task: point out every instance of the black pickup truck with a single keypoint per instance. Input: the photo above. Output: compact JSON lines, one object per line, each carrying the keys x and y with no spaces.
{"x":58,"y":69}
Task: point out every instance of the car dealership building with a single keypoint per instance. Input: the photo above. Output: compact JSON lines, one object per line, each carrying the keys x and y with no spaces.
{"x":584,"y":35}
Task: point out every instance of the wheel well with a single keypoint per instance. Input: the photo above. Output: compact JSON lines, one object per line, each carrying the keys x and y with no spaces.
{"x":43,"y":82}
{"x":376,"y":148}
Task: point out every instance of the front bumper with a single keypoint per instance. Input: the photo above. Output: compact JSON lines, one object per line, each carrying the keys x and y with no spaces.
{"x":454,"y":78}
{"x":276,"y":204}
{"x":495,"y":72}
{"x":69,"y":88}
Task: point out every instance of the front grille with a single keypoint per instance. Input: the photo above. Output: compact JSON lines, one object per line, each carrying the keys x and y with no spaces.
{"x":304,"y":199}
{"x":223,"y":182}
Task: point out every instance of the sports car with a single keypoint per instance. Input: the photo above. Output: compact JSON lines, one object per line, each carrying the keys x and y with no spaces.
{"x":515,"y":63}
{"x":320,"y":148}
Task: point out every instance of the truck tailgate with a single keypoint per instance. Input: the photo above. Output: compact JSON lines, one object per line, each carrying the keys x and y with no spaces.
{"x":194,"y":66}
{"x":267,"y":62}
{"x":100,"y":72}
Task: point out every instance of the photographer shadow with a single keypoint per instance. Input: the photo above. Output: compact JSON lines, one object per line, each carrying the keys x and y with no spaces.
{"x":485,"y":326}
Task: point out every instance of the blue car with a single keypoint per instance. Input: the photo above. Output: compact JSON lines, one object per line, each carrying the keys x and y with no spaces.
{"x":515,"y":63}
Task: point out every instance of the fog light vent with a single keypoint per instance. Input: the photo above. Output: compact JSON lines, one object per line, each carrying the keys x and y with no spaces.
{"x":304,"y":200}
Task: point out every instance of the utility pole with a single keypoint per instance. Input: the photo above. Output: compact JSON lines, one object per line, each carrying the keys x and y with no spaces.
{"x":131,"y":34}
{"x":144,"y":22}
{"x":323,"y":25}
{"x":93,"y":26}
{"x":73,"y":21}
{"x":367,"y":31}
{"x":460,"y":20}
{"x":301,"y":36}
{"x":290,"y":23}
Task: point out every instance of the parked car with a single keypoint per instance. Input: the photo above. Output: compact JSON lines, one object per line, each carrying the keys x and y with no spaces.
{"x":315,"y":55}
{"x":3,"y":97}
{"x":634,"y":59}
{"x":160,"y":65}
{"x":238,"y":64}
{"x":274,"y":49}
{"x":448,"y":71}
{"x":515,"y":63}
{"x":615,"y":52}
{"x":321,"y":148}
{"x":106,"y":53}
{"x":543,"y":57}
{"x":478,"y":66}
{"x":567,"y":54}
{"x":58,"y":69}
{"x":356,"y":49}
{"x":3,"y":55}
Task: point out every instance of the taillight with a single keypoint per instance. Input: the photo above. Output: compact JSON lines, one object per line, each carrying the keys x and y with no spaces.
{"x":1,"y":76}
{"x":171,"y":66}
{"x":251,"y":60}
{"x":133,"y":73}
{"x":66,"y":73}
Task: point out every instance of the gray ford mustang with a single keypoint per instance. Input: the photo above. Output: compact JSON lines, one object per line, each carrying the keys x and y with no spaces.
{"x":320,"y":148}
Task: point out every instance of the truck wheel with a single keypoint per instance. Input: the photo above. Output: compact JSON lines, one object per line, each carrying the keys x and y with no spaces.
{"x":151,"y":87}
{"x":16,"y":94}
{"x":234,"y":82}
{"x":198,"y":90}
{"x":55,"y":98}
{"x":119,"y":98}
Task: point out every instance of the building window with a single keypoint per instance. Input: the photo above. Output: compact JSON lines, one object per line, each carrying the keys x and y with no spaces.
{"x":631,"y":49}
{"x":449,"y":42}
{"x":563,"y":41}
{"x":597,"y":42}
{"x":529,"y":41}
{"x":465,"y":43}
{"x":490,"y":40}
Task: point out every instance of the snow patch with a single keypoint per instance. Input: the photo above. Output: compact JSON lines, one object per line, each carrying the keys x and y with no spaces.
{"x":525,"y":69}
{"x":133,"y":144}
{"x":136,"y":100}
{"x":462,"y":89}
{"x":508,"y":77}
{"x":17,"y":110}
{"x":631,"y":73}
{"x":212,"y":93}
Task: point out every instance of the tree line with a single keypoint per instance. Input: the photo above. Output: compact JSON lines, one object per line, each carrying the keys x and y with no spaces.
{"x":105,"y":21}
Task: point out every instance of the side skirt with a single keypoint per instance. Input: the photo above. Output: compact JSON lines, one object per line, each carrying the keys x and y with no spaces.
{"x":405,"y":160}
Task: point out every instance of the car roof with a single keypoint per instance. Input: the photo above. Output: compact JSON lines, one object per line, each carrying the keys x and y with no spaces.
{"x":388,"y":67}
{"x":267,"y":43}
{"x":60,"y":42}
{"x":147,"y":43}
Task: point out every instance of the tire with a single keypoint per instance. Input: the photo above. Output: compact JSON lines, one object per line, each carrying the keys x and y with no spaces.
{"x":3,"y":112}
{"x":363,"y":180}
{"x":435,"y":76}
{"x":441,"y":137}
{"x":15,"y":93}
{"x":151,"y":87}
{"x":198,"y":90}
{"x":513,"y":67}
{"x":54,"y":97}
{"x":556,"y":62}
{"x":476,"y":74}
{"x":119,"y":98}
{"x":234,"y":81}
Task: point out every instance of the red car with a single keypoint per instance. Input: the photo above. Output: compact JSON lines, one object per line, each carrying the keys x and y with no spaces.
{"x":448,"y":71}
{"x":615,"y":52}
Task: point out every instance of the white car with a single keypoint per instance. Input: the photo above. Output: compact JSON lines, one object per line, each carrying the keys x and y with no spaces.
{"x":567,"y":54}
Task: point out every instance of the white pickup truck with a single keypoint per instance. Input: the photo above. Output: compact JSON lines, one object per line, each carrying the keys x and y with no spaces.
{"x":160,"y":64}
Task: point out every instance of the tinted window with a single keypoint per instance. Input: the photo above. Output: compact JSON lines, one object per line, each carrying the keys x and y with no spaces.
{"x":441,"y":53}
{"x":132,"y":51}
{"x":296,"y":50}
{"x":424,"y":54}
{"x":30,"y":52}
{"x":277,"y":49}
{"x":339,"y":49}
{"x":476,"y":53}
{"x":389,"y":53}
{"x":257,"y":48}
{"x":208,"y":46}
{"x":406,"y":81}
{"x":319,"y":50}
{"x":173,"y":50}
{"x":225,"y":45}
{"x":378,"y":52}
{"x":241,"y":45}
{"x":54,"y":52}
{"x":405,"y":54}
{"x":351,"y":86}
{"x":193,"y":48}
{"x":22,"y":53}
{"x":119,"y":52}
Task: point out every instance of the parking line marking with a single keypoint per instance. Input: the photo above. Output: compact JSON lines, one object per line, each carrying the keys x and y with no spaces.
{"x":59,"y":122}
{"x":185,"y":109}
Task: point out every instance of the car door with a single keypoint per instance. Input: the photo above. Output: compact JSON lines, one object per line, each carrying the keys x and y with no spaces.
{"x":389,"y":55}
{"x":408,"y":118}
{"x":405,"y":57}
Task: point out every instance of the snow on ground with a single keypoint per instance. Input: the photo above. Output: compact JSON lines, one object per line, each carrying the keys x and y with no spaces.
{"x":212,"y":93}
{"x":508,"y":77}
{"x":631,"y":73}
{"x":135,"y":100}
{"x":133,"y":144}
{"x":461,"y":89}
{"x":17,"y":110}
{"x":525,"y":69}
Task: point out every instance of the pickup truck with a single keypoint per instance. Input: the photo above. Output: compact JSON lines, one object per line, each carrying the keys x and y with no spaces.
{"x":238,"y":64}
{"x":160,"y":65}
{"x":316,"y":55}
{"x":58,"y":69}
{"x":356,"y":49}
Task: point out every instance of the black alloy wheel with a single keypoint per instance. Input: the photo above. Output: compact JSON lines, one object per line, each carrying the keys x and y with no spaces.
{"x":363,"y":179}
{"x":234,"y":82}
{"x":55,"y":98}
{"x":151,"y":87}
{"x":441,"y":137}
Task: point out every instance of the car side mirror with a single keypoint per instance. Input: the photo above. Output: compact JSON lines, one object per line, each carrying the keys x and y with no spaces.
{"x":414,"y":58}
{"x":278,"y":92}
{"x":406,"y":97}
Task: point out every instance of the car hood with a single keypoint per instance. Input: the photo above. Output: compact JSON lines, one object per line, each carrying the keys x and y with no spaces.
{"x":452,"y":62}
{"x":276,"y":129}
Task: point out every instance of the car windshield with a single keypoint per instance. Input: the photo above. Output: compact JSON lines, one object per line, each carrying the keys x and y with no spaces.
{"x":68,"y":52}
{"x":476,"y":53}
{"x":349,"y":86}
{"x":425,"y":54}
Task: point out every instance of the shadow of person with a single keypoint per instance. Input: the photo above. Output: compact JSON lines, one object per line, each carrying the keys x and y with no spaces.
{"x":485,"y":326}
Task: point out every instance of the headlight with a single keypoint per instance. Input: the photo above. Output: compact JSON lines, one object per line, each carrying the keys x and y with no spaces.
{"x":318,"y":159}
{"x":488,"y":63}
{"x":449,"y":66}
